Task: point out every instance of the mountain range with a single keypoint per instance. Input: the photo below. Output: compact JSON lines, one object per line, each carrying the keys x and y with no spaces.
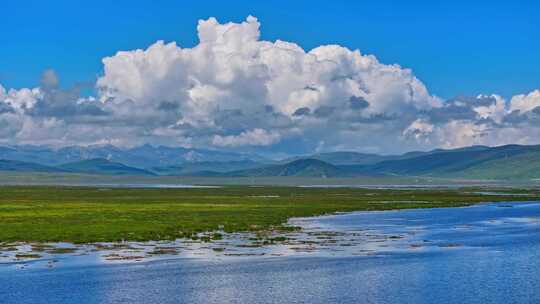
{"x":475,"y":162}
{"x":141,"y":156}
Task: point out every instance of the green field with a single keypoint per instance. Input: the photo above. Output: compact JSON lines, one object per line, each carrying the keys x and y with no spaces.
{"x":86,"y":214}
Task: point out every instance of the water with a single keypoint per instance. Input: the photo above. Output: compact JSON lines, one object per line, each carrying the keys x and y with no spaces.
{"x":138,"y":185}
{"x":481,"y":254}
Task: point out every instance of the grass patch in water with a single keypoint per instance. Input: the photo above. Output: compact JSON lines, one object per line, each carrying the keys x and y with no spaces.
{"x":22,"y":256}
{"x":66,"y":250}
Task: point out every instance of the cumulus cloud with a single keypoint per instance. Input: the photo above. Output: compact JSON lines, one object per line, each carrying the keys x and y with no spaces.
{"x":234,"y":90}
{"x":255,"y":137}
{"x":233,"y":82}
{"x":494,"y":109}
{"x":419,"y":129}
{"x":525,"y":102}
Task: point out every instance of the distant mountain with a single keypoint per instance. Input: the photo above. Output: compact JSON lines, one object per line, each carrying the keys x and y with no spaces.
{"x":504,"y":162}
{"x":163,"y":155}
{"x":476,"y":162}
{"x":356,"y":158}
{"x":18,"y":166}
{"x":521,"y":166}
{"x":344,"y":158}
{"x":300,"y":168}
{"x":145,"y":156}
{"x":102,"y":166}
{"x":205,"y":168}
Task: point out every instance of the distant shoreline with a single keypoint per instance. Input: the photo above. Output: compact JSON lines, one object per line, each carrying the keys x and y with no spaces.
{"x":74,"y":179}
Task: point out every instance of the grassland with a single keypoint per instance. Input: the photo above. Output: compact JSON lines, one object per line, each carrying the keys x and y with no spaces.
{"x":85,"y":214}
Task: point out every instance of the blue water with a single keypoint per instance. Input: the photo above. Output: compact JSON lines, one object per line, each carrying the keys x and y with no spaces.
{"x":481,"y":254}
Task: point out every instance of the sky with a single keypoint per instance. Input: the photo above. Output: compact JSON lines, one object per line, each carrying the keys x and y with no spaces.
{"x":425,"y":74}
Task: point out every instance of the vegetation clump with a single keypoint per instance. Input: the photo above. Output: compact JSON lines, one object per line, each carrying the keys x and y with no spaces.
{"x":22,"y":256}
{"x":65,"y":250}
{"x":163,"y":250}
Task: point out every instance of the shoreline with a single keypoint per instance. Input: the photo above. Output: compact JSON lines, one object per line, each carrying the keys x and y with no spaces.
{"x":309,"y":241}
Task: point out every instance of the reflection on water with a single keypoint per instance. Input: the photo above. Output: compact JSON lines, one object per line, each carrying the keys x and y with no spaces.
{"x":481,"y":254}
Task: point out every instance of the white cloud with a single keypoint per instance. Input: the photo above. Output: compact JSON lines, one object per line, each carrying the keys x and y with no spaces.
{"x":419,"y":129}
{"x":496,"y":110}
{"x":20,"y":99}
{"x":458,"y":133}
{"x":525,"y":102}
{"x":255,"y":137}
{"x":232,"y":69}
{"x":233,"y":90}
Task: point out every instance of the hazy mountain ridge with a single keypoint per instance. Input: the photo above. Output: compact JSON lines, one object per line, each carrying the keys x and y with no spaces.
{"x":453,"y":163}
{"x":102,"y":166}
{"x":301,"y":167}
{"x":209,"y":166}
{"x":343,"y":158}
{"x":145,"y":156}
{"x":20,"y":166}
{"x":476,"y":162}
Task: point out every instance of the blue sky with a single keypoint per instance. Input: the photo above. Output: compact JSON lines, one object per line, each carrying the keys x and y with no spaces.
{"x":454,"y":47}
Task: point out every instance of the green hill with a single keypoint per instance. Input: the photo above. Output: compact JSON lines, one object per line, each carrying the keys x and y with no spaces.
{"x":504,"y":162}
{"x":300,"y":168}
{"x":102,"y":166}
{"x":344,"y":158}
{"x":522,"y":166}
{"x":205,"y":168}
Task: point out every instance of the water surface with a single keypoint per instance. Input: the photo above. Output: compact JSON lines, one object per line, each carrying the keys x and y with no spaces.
{"x":486,"y":253}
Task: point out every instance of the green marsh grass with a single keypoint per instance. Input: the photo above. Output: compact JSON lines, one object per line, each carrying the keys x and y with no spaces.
{"x":89,"y":215}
